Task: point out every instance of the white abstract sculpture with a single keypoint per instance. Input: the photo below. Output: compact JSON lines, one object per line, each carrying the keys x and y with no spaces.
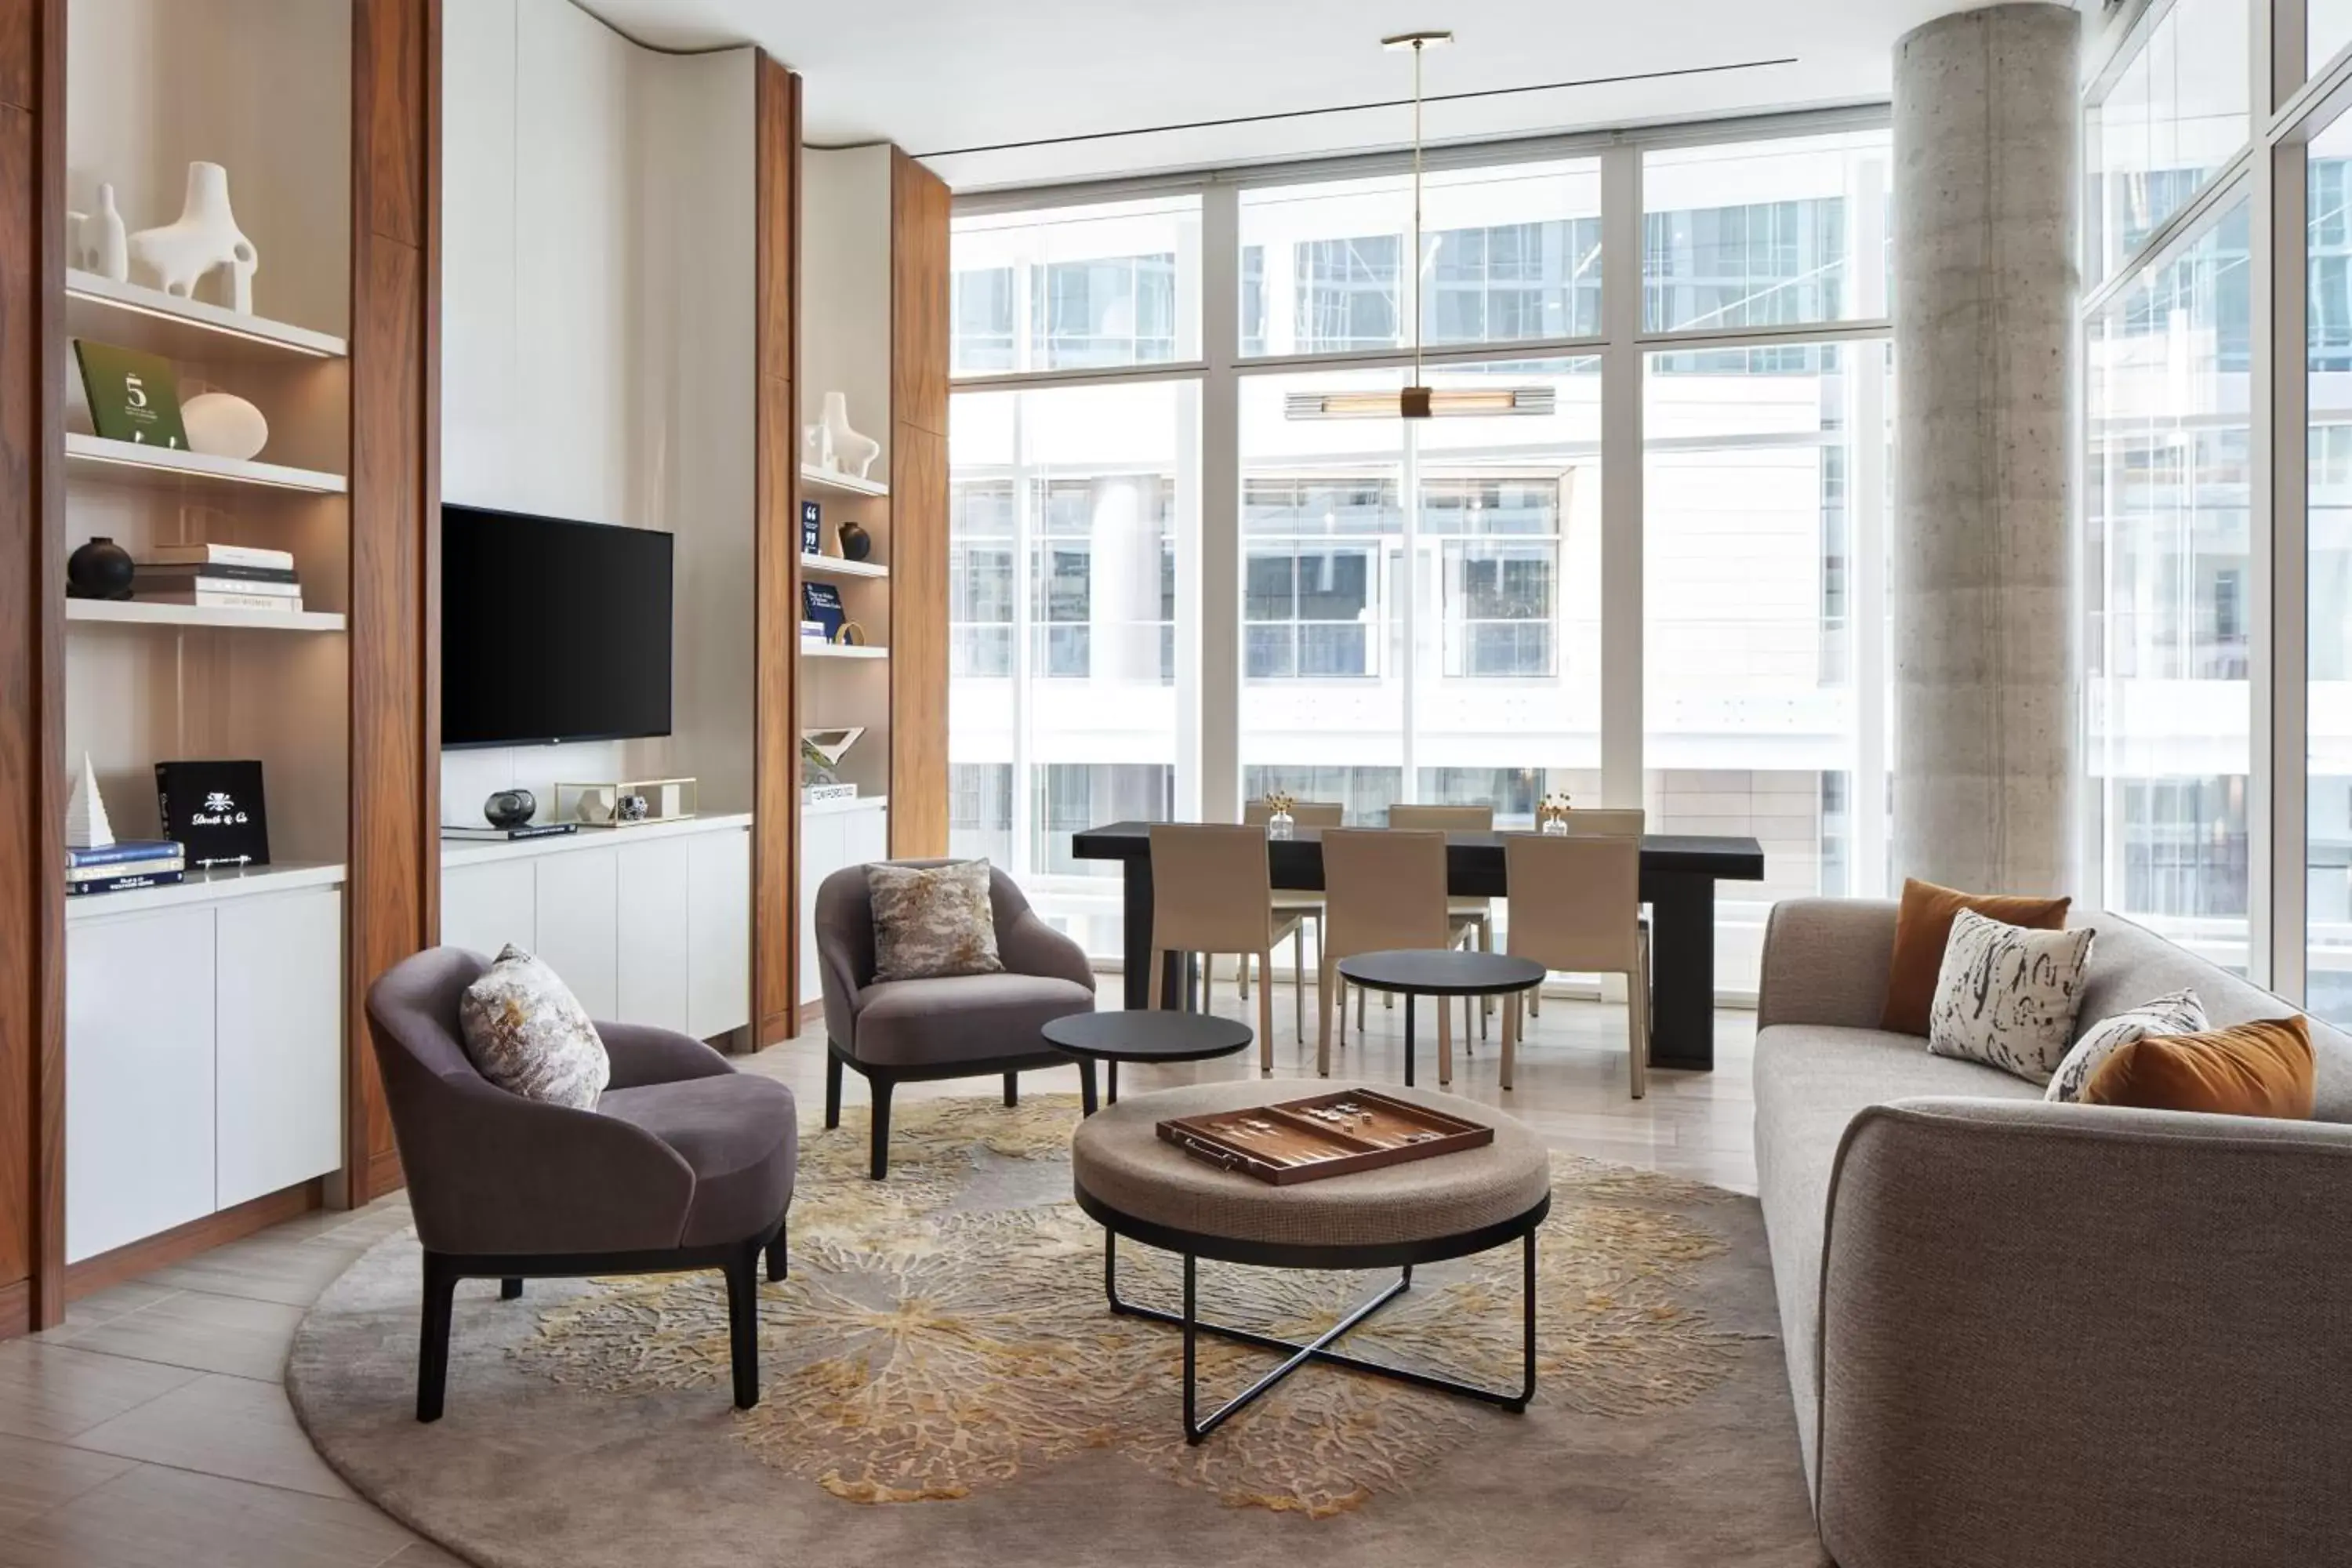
{"x":105,"y":249}
{"x":851,"y":451}
{"x":177,"y":255}
{"x":222,"y":424}
{"x":86,"y":824}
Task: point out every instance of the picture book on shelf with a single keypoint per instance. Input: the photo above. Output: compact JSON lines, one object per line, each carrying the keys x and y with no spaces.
{"x":216,"y":808}
{"x":132,"y":397}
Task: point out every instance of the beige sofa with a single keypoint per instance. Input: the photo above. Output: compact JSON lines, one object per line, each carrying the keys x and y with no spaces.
{"x":2029,"y":1333}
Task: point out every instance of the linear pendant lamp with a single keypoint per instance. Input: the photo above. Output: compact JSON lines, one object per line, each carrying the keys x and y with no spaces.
{"x":1418,"y":401}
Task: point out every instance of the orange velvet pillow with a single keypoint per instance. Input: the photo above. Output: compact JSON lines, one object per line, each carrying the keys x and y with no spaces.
{"x":1923,"y":924}
{"x":2263,"y":1069}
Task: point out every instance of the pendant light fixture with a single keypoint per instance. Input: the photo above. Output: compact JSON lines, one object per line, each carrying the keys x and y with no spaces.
{"x":1418,"y":401}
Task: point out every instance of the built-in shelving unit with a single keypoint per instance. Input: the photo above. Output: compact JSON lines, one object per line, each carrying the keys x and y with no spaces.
{"x":841,"y":566}
{"x":834,"y":480}
{"x":137,"y":316}
{"x":95,"y":458}
{"x":144,"y":613}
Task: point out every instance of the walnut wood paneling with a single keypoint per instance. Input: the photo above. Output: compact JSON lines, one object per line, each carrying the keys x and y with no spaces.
{"x":392,"y":896}
{"x":918,"y":508}
{"x":776,"y":561}
{"x":32,"y":666}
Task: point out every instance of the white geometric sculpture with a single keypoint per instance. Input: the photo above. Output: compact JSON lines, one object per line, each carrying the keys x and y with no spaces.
{"x":177,"y":255}
{"x":852,"y":453}
{"x":86,"y":824}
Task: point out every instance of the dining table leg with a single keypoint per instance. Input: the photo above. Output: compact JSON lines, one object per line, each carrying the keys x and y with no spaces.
{"x":1135,"y":941}
{"x":1408,"y":1038}
{"x":1682,"y":958}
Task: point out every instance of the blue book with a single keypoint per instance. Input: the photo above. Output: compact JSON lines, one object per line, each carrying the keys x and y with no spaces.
{"x":123,"y":884}
{"x":121,"y":850}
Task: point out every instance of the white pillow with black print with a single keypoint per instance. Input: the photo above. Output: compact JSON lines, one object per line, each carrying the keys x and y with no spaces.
{"x":2007,"y":996}
{"x":2181,"y":1013}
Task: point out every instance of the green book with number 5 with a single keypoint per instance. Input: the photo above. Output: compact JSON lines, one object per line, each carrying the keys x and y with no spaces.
{"x":133,"y":396}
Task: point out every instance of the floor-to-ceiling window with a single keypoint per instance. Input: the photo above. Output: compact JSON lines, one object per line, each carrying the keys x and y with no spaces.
{"x":1418,"y":610}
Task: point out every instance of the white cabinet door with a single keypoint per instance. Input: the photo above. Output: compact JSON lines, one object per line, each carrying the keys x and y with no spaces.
{"x":821,"y":851}
{"x":652,"y":959}
{"x":866,"y":836}
{"x":719,"y":932}
{"x":579,"y":930}
{"x":138,"y":1077}
{"x":485,"y":907}
{"x":279,"y":1082}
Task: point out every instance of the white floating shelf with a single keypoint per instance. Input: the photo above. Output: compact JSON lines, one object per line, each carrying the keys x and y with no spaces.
{"x":126,"y":462}
{"x":137,"y":613}
{"x":837,"y":566}
{"x":840,"y":483}
{"x":842,"y":651}
{"x":136,"y":317}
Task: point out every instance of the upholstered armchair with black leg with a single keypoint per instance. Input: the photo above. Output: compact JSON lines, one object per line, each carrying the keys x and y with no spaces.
{"x":964,"y":1025}
{"x":684,"y":1163}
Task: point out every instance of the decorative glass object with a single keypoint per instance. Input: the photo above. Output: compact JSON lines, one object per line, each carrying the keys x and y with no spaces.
{"x":1279,"y":823}
{"x":1552,"y":815}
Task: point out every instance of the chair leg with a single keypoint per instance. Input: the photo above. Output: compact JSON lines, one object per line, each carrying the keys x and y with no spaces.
{"x":1510,"y":1036}
{"x":1298,"y":981}
{"x":1534,"y":1002}
{"x":1637,"y":1028}
{"x":1445,"y":1039}
{"x":832,"y":1090}
{"x":510,"y":1289}
{"x":1360,"y":1009}
{"x":433,"y":1339}
{"x":1486,"y":1003}
{"x":743,"y":1324}
{"x":1323,"y":1003}
{"x":1153,"y":983}
{"x":878,"y":1153}
{"x":777,"y":1267}
{"x":1264,"y":1013}
{"x":1241,"y":976}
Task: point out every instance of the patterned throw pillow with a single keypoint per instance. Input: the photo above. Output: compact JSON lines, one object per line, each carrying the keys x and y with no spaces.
{"x":2006,"y":996}
{"x":529,"y":1035}
{"x":2181,"y":1013}
{"x":932,"y":921}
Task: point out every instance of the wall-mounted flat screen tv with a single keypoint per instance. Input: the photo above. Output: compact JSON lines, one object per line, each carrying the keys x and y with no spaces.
{"x":551,"y":630}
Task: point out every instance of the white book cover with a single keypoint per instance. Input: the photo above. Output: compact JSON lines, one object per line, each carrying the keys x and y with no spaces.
{"x":211,"y":600}
{"x":221,"y":554}
{"x":150,"y":587}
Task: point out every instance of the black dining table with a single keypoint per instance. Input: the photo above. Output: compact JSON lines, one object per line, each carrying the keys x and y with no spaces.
{"x":1679,"y":871}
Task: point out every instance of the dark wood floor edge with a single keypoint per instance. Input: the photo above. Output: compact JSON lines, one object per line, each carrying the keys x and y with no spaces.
{"x":183,"y":1242}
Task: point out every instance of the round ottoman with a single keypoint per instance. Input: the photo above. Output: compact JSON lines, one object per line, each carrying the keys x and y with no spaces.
{"x":1420,"y":1211}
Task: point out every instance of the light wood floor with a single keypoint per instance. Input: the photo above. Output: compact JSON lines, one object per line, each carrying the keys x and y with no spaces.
{"x":150,"y":1430}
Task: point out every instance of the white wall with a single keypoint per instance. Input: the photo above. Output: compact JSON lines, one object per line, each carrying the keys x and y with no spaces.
{"x":597,"y":343}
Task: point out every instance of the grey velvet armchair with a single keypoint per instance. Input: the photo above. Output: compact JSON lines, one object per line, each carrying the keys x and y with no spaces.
{"x":970,"y":1025}
{"x":684,"y":1163}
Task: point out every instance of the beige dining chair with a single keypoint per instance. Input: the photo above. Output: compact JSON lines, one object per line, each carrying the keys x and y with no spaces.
{"x":1576,"y":905}
{"x":1384,"y":888}
{"x":1473,"y":913}
{"x":1295,"y":903}
{"x":1212,"y":892}
{"x":1602,"y":821}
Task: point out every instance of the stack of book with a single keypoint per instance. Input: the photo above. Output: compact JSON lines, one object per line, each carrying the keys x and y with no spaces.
{"x":218,"y":577}
{"x":125,"y":864}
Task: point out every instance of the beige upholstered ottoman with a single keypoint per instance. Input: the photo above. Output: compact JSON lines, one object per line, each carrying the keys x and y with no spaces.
{"x":1422,"y":1211}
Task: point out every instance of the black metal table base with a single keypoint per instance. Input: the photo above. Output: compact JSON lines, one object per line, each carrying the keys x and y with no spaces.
{"x":1197,"y":1428}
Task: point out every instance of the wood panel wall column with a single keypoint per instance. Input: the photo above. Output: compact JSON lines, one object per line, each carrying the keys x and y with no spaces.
{"x":32,"y":665}
{"x":918,"y":508}
{"x":392,"y":896}
{"x":776,"y":557}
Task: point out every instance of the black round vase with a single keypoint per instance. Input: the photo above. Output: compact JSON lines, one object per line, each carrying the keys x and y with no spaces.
{"x":857,"y":545}
{"x":99,"y":570}
{"x":510,"y":807}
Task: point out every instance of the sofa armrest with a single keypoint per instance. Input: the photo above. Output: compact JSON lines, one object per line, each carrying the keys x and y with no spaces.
{"x":1826,"y":962}
{"x":490,"y":1172}
{"x":2086,"y":1335}
{"x":642,"y":1054}
{"x":1029,"y":946}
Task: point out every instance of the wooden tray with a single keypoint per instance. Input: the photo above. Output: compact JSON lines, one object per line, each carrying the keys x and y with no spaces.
{"x":1292,"y":1142}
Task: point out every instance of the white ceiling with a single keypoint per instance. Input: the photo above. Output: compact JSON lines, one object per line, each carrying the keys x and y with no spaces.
{"x":941,"y":76}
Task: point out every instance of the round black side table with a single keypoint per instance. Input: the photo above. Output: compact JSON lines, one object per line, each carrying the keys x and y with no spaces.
{"x":1441,"y":972}
{"x":1141,"y":1036}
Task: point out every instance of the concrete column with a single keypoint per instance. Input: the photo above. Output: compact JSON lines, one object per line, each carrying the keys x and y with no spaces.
{"x":1988,"y":693}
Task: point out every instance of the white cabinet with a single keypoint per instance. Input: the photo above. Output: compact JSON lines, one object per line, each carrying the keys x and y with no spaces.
{"x":203,"y":1057}
{"x":648,"y":925}
{"x":834,"y":837}
{"x":653,"y":951}
{"x":138,"y":1077}
{"x":580,"y":925}
{"x":277,"y":1007}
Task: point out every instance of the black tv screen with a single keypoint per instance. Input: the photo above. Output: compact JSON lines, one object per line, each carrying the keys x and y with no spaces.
{"x":551,"y":630}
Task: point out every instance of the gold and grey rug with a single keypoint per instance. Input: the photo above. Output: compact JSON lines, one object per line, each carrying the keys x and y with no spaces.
{"x":942,"y":1381}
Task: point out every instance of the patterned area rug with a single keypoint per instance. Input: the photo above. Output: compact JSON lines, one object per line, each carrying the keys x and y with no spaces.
{"x":942,"y":1381}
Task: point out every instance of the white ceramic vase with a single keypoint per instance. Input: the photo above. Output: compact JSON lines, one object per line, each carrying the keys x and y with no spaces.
{"x":852,"y":452}
{"x":105,"y":248}
{"x":222,"y":424}
{"x":176,"y":256}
